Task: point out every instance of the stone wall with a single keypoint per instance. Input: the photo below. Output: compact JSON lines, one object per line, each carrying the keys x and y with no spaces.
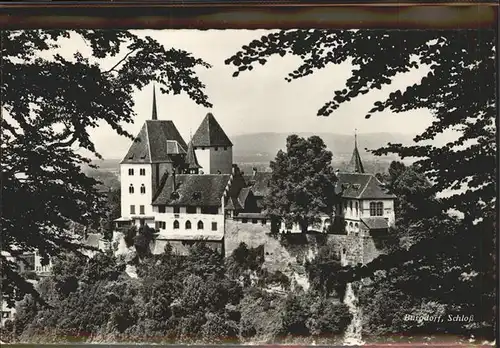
{"x":182,"y":247}
{"x":290,"y":253}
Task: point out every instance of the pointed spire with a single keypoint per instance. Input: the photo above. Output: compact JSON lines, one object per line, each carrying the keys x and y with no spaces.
{"x":155,"y":112}
{"x":191,"y":160}
{"x":355,"y":165}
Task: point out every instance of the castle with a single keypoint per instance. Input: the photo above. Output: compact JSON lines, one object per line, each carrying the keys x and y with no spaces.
{"x":187,"y":191}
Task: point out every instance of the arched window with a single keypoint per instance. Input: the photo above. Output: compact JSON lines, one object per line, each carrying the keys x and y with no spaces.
{"x":176,"y":225}
{"x":350,"y":205}
{"x":143,"y":189}
{"x":356,"y":227}
{"x":131,"y":189}
{"x":350,"y":226}
{"x":200,"y":225}
{"x":188,"y":225}
{"x":376,"y":208}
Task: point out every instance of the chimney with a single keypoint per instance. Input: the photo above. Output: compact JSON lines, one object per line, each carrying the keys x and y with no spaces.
{"x":254,"y":171}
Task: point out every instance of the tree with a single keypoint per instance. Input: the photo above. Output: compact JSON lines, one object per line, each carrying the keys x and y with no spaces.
{"x":459,"y":90}
{"x":49,"y":104}
{"x":302,"y":184}
{"x":322,"y":272}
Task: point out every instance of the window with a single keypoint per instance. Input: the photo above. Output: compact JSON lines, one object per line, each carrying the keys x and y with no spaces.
{"x":131,"y":189}
{"x":141,"y":209}
{"x":210,"y":210}
{"x":161,"y":225}
{"x":142,"y":171}
{"x":225,"y":148}
{"x":191,"y":210}
{"x":131,"y":171}
{"x":177,"y":210}
{"x":214,"y":226}
{"x":200,"y":225}
{"x":254,"y":221}
{"x":244,"y":221}
{"x":357,"y":208}
{"x":176,"y":225}
{"x":143,"y":189}
{"x":162,"y":209}
{"x":188,"y":225}
{"x":376,"y":208}
{"x":216,"y":149}
{"x":350,"y":205}
{"x":264,"y":221}
{"x":132,"y":209}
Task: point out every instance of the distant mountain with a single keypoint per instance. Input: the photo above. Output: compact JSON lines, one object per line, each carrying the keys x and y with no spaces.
{"x":264,"y":146}
{"x":257,"y":149}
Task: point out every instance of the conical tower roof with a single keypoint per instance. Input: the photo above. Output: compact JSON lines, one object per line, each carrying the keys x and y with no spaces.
{"x":210,"y":133}
{"x":191,"y":159}
{"x":355,"y":165}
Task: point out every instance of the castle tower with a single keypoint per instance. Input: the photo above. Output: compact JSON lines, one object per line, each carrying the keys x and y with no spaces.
{"x":157,"y":149}
{"x":212,"y":147}
{"x":355,"y":165}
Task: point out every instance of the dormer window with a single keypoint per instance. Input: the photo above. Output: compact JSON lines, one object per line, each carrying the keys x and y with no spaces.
{"x":356,"y":186}
{"x":131,"y":156}
{"x":174,"y":195}
{"x":143,"y":156}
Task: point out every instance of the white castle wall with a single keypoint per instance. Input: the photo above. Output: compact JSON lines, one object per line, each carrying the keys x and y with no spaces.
{"x":214,"y":159}
{"x":137,"y":198}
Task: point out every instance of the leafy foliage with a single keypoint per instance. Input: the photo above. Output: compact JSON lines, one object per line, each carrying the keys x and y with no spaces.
{"x":323,"y":272}
{"x":302,"y":182}
{"x":50,"y":103}
{"x":459,"y":90}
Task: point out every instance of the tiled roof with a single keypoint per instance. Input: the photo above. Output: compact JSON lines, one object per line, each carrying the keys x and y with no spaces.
{"x":361,"y":186}
{"x":375,"y":223}
{"x":242,"y":197}
{"x":210,"y":133}
{"x":156,"y":142}
{"x":193,"y":190}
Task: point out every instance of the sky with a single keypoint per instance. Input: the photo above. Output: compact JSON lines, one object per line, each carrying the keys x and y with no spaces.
{"x":256,"y":101}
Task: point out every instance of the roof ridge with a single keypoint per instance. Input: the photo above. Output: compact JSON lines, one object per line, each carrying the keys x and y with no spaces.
{"x":148,"y":143}
{"x":364,"y":188}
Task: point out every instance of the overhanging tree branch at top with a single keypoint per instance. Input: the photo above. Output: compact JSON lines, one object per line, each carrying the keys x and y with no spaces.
{"x":41,"y":172}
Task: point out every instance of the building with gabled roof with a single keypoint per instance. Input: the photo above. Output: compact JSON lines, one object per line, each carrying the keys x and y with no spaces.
{"x":176,"y":187}
{"x":366,"y":205}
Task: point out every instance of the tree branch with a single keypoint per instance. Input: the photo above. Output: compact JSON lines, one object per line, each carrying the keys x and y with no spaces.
{"x":120,"y":61}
